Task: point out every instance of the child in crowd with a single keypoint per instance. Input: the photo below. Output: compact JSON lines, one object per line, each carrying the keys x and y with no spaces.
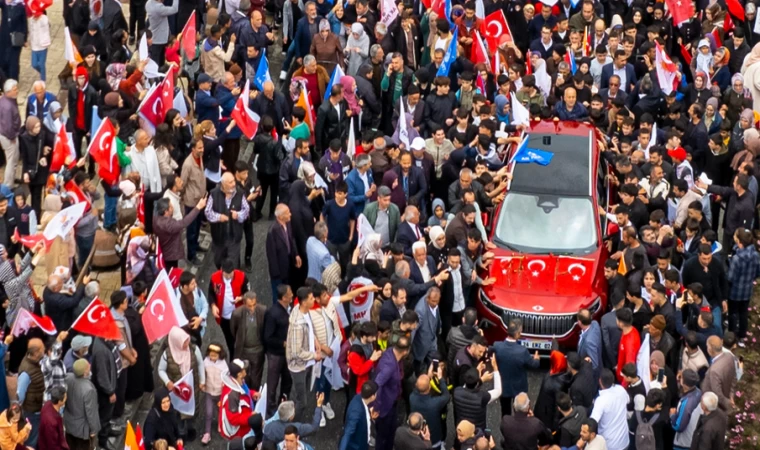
{"x":215,"y":365}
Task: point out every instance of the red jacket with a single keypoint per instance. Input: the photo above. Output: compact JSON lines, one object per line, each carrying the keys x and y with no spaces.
{"x":234,"y":422}
{"x":216,"y":292}
{"x":360,"y":366}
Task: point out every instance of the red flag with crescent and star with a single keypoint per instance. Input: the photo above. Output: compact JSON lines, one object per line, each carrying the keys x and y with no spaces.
{"x":29,"y":241}
{"x":573,"y":275}
{"x":160,"y":315}
{"x":245,"y":119}
{"x":96,"y":320}
{"x":183,"y":395}
{"x":680,"y":10}
{"x":152,"y":107}
{"x":187,"y":39}
{"x":496,"y":26}
{"x":36,"y":8}
{"x":102,"y":149}
{"x":167,"y":89}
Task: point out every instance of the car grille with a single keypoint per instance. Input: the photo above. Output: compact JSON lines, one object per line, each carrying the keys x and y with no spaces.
{"x":549,"y":325}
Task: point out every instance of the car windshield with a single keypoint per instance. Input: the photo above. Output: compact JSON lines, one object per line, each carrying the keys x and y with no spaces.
{"x":539,"y":224}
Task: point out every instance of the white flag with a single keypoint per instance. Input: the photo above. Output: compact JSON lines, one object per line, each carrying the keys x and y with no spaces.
{"x":389,"y":12}
{"x":64,"y":220}
{"x":403,"y":132}
{"x":362,"y":304}
{"x":642,"y":362}
{"x":480,"y":9}
{"x":261,"y":405}
{"x":351,"y":143}
{"x":363,"y":229}
{"x":520,"y":114}
{"x":183,"y":395}
{"x":666,"y":70}
{"x":652,"y":141}
{"x":179,"y":105}
{"x":69,"y":52}
{"x":151,"y":69}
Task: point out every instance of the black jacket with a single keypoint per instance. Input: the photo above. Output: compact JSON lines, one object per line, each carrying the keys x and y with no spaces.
{"x":524,"y":432}
{"x":583,"y":386}
{"x":714,"y":281}
{"x":60,"y":307}
{"x":276,"y":322}
{"x":276,"y":108}
{"x":569,"y":429}
{"x":329,"y":126}
{"x":271,"y":154}
{"x":711,"y":431}
{"x":279,"y":258}
{"x":409,"y":440}
{"x":546,"y":404}
{"x":372,"y":107}
{"x":739,"y":211}
{"x":433,"y":408}
{"x":438,"y":108}
{"x":31,"y":149}
{"x":389,"y":311}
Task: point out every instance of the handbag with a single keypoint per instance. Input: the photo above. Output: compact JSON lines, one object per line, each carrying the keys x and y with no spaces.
{"x":18,"y":39}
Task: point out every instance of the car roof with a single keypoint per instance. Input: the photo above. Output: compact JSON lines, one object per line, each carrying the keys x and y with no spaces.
{"x":570,"y":171}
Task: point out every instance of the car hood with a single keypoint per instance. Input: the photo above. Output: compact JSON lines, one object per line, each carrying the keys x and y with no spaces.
{"x":545,"y":284}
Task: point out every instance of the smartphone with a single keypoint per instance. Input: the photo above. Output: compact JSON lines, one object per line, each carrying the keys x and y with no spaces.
{"x":284,"y":122}
{"x":660,"y":375}
{"x":435,"y":366}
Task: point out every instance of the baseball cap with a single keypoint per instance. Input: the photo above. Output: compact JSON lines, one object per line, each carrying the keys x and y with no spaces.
{"x":204,"y":78}
{"x":418,"y":144}
{"x":237,"y":365}
{"x":79,"y":342}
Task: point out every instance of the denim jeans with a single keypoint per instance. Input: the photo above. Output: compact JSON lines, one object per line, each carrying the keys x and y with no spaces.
{"x":38,"y":62}
{"x":34,"y":420}
{"x":84,"y":246}
{"x":323,"y":385}
{"x":193,"y":233}
{"x":109,"y":216}
{"x":717,"y":313}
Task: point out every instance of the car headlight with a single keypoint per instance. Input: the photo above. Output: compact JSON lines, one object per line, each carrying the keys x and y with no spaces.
{"x":594,"y":307}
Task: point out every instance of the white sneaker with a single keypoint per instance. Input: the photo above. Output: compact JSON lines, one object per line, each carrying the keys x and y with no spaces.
{"x":328,"y":411}
{"x":322,"y":421}
{"x":283,"y":75}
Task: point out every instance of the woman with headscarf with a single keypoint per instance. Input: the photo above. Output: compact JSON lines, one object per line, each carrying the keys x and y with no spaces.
{"x":326,"y":47}
{"x":721,"y":75}
{"x":751,"y":149}
{"x":357,"y":48}
{"x":118,"y":50}
{"x":429,"y":30}
{"x":302,"y":221}
{"x":354,"y":103}
{"x":751,"y":73}
{"x":437,"y":247}
{"x":95,"y":38}
{"x":501,"y":110}
{"x":670,"y":387}
{"x":113,"y":107}
{"x":49,"y":126}
{"x":736,"y":98}
{"x":697,"y":91}
{"x":139,"y":266}
{"x":391,"y":180}
{"x":34,"y":150}
{"x":180,"y":357}
{"x":746,"y":121}
{"x":372,"y":248}
{"x":162,"y":421}
{"x":558,"y":380}
{"x":712,"y":118}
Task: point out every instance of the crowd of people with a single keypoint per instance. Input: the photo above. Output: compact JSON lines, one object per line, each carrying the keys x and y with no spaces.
{"x":383,"y":148}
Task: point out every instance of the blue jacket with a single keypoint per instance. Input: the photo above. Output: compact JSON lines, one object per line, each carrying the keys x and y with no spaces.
{"x":590,"y":345}
{"x":206,"y":107}
{"x":579,"y":112}
{"x":425,"y":337}
{"x":513,"y":360}
{"x":31,"y":105}
{"x":303,"y":37}
{"x":609,"y":70}
{"x":227,"y":101}
{"x":388,"y":375}
{"x":355,"y":432}
{"x":356,"y":189}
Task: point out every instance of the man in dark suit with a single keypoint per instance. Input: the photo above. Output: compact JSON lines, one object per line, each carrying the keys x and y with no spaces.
{"x":613,"y":91}
{"x":513,"y":360}
{"x":282,"y":252}
{"x":408,"y":34}
{"x":610,"y":331}
{"x":391,"y":308}
{"x":409,"y":231}
{"x":414,"y":291}
{"x":425,"y":337}
{"x":332,"y":120}
{"x":621,"y":68}
{"x":454,"y":293}
{"x":412,"y":180}
{"x":590,"y":342}
{"x":355,"y":430}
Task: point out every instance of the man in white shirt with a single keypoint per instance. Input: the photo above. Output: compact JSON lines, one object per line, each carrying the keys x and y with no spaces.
{"x":145,"y":162}
{"x":610,"y":412}
{"x":422,"y":267}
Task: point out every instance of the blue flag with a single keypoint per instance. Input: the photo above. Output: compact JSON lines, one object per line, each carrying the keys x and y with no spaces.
{"x":334,"y":78}
{"x":525,"y":154}
{"x":447,"y":10}
{"x":262,"y":73}
{"x":96,"y":120}
{"x":450,"y":56}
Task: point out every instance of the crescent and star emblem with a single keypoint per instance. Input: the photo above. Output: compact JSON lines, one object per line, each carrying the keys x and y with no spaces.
{"x":579,"y":266}
{"x":498,"y":27}
{"x":540,"y":262}
{"x":90,"y":314}
{"x":104,"y":137}
{"x":160,"y":316}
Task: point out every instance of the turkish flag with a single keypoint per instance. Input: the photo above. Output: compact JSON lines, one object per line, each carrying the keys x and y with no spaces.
{"x":716,"y":35}
{"x":528,"y":65}
{"x":686,"y":55}
{"x":152,"y":107}
{"x":167,"y":90}
{"x":245,"y":119}
{"x":728,"y":23}
{"x":735,"y":9}
{"x":36,"y":8}
{"x":102,"y":149}
{"x":174,"y":275}
{"x":573,"y":275}
{"x":26,"y":320}
{"x":97,"y":320}
{"x":183,"y":394}
{"x":188,"y":37}
{"x":479,"y":53}
{"x":160,"y":314}
{"x":62,"y":152}
{"x":680,"y":10}
{"x":496,"y":26}
{"x":159,"y":257}
{"x":31,"y":240}
{"x":139,"y":436}
{"x":74,"y":191}
{"x":141,"y":204}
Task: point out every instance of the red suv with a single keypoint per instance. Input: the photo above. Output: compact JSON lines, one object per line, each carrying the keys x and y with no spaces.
{"x":549,"y":260}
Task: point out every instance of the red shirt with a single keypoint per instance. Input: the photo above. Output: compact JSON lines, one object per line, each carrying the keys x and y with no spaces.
{"x":628,"y":351}
{"x":312,"y":83}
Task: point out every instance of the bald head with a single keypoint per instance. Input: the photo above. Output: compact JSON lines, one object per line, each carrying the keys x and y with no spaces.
{"x":35,"y":349}
{"x":269,"y":89}
{"x":714,"y":345}
{"x":423,"y":384}
{"x":522,"y":402}
{"x":228,"y":183}
{"x":54,"y":282}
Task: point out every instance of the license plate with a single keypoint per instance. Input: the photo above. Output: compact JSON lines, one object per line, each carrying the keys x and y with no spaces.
{"x":536,"y":345}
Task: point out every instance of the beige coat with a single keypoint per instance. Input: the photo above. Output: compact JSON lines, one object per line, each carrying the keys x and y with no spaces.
{"x":213,"y":60}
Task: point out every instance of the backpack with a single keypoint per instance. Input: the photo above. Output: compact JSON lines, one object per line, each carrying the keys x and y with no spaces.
{"x":645,"y":439}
